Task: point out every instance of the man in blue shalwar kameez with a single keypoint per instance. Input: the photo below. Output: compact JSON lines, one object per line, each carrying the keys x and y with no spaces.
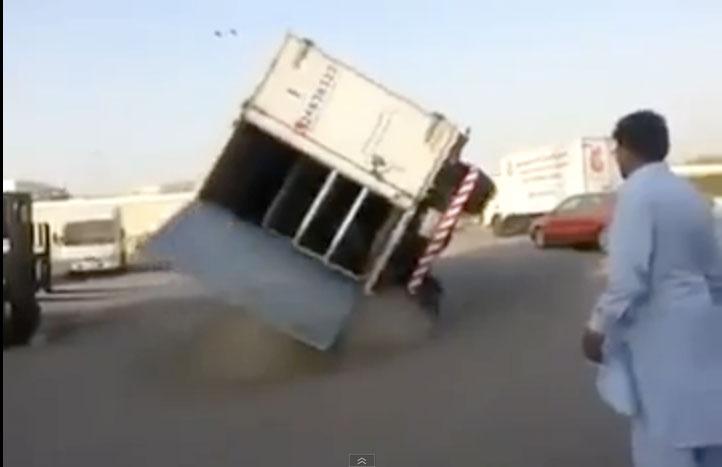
{"x":656,"y":331}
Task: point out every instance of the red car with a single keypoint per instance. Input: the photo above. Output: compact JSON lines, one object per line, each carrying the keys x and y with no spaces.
{"x":578,"y":220}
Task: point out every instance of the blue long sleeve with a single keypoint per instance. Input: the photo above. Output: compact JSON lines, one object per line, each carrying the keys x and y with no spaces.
{"x":631,"y":246}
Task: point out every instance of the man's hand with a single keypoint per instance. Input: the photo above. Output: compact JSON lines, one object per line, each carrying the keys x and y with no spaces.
{"x":592,"y":342}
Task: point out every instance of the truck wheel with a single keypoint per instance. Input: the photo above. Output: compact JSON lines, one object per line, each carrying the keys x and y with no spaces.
{"x":511,"y":226}
{"x":22,"y":322}
{"x":517,"y":225}
{"x":539,"y":238}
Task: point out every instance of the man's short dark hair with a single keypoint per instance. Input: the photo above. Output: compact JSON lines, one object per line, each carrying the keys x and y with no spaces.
{"x":645,"y":134}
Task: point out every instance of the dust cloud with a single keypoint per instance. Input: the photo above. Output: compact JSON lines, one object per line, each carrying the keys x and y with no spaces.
{"x":229,"y":346}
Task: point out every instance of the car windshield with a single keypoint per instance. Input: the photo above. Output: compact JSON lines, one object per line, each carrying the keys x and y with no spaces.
{"x":582,"y":202}
{"x":91,"y":232}
{"x":570,"y":204}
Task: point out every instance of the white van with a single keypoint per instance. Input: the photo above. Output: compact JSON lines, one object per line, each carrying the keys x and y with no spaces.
{"x":87,"y":235}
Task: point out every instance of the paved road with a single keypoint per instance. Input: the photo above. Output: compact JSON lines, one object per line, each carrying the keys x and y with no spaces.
{"x":161,"y":377}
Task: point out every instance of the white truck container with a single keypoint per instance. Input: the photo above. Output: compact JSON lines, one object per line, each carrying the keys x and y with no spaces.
{"x":532,"y":183}
{"x":87,"y":234}
{"x":322,"y":193}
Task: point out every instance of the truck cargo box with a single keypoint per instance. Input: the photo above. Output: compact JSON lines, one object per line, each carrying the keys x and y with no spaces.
{"x":326,"y":176}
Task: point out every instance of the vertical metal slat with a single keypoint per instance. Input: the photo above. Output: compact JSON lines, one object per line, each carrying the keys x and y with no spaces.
{"x":346,"y":223}
{"x":387,"y":250}
{"x":287,"y":183}
{"x":320,"y":196}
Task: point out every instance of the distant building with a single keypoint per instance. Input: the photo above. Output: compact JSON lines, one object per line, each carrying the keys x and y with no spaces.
{"x":146,"y":190}
{"x":707,"y":159}
{"x":167,"y":188}
{"x":38,"y":190}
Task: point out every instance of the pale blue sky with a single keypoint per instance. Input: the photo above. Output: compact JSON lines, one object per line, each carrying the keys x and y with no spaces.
{"x":108,"y":95}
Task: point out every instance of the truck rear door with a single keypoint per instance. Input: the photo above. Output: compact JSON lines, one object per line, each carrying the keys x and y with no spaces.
{"x":261,"y":273}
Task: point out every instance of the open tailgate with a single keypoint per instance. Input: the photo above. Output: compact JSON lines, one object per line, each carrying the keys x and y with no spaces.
{"x":252,"y":268}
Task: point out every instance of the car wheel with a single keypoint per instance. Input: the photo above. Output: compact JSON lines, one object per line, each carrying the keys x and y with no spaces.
{"x":603,"y":240}
{"x":539,"y":238}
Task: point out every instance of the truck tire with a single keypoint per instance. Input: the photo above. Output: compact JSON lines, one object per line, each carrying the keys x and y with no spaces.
{"x":497,"y":226}
{"x":43,"y":275}
{"x":511,"y":226}
{"x":517,"y":225}
{"x":20,"y":321}
{"x":47,"y":276}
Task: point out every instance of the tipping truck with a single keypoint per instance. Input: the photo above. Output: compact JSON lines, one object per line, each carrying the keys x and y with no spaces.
{"x":331,"y":187}
{"x":26,"y":268}
{"x":532,"y":183}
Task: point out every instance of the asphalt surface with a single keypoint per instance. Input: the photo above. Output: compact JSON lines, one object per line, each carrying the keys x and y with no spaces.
{"x":144,"y":370}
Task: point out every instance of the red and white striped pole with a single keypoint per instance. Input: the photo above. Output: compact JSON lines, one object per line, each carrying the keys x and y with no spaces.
{"x":443,"y":229}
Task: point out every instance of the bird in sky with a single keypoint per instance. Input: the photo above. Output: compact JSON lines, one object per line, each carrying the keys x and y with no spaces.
{"x":218,"y":33}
